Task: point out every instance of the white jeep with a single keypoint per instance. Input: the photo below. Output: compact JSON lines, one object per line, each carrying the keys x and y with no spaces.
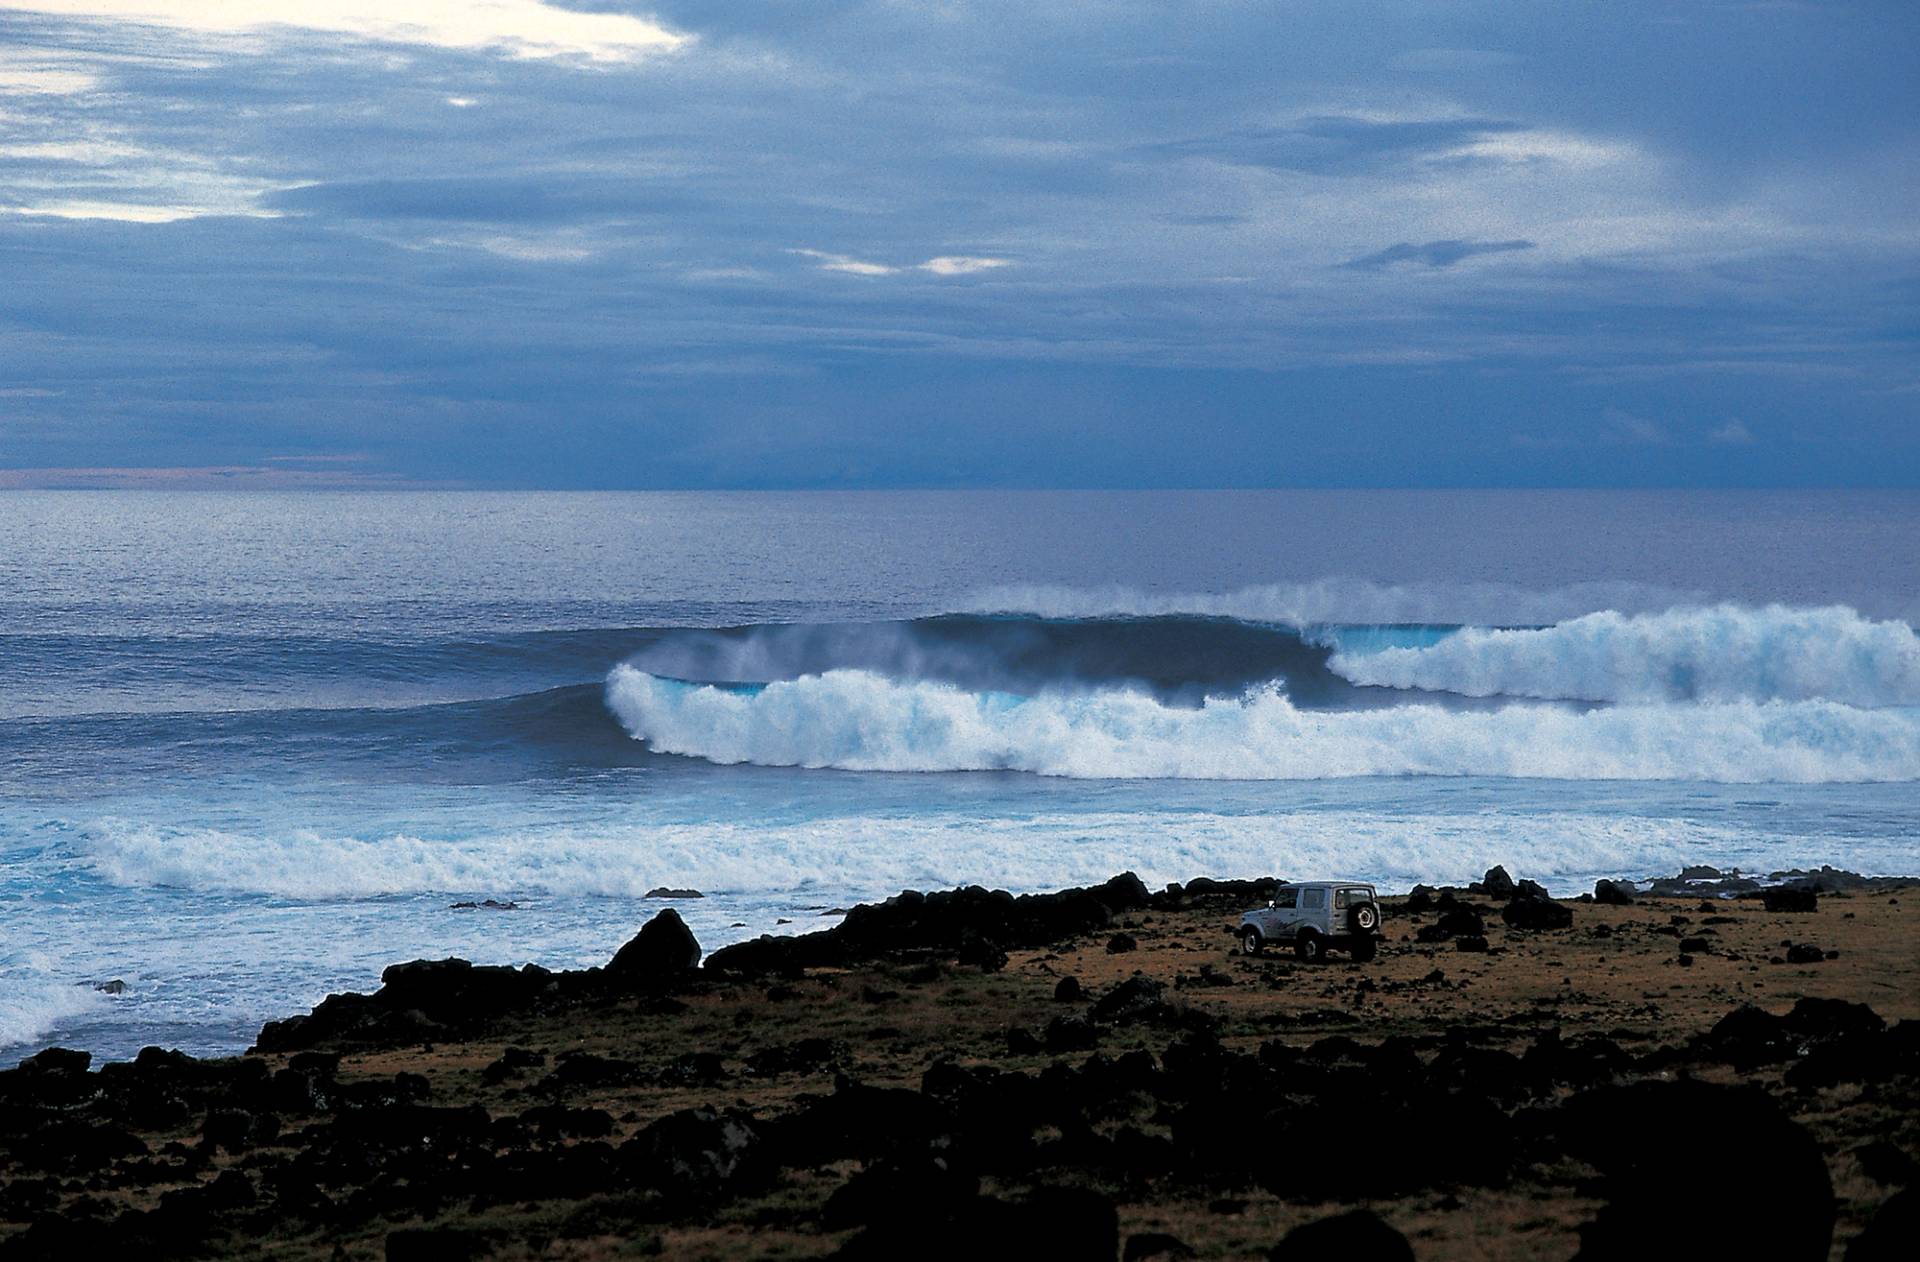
{"x":1315,"y":916}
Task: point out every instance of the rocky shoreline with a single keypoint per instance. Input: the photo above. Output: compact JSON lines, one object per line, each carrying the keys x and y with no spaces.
{"x":1710,"y":1065}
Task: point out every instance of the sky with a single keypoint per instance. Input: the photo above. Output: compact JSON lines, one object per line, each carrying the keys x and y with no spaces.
{"x":931,"y":243}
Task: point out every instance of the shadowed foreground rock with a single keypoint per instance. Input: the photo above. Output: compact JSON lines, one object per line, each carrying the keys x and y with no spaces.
{"x":1357,"y":1235}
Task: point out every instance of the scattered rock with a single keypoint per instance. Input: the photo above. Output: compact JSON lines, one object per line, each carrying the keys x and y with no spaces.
{"x":1537,"y":914}
{"x":1356,"y":1234}
{"x":1805,"y":953}
{"x":668,"y":892}
{"x":1139,"y":998}
{"x":491,"y":904}
{"x":982,"y":954}
{"x":114,"y":987}
{"x":1496,"y":884}
{"x":1613,"y":893}
{"x":1472,"y":943}
{"x":1120,"y":943}
{"x":1783,"y":898}
{"x":1069,"y":990}
{"x":1761,"y":1157}
{"x":1071,"y":1034}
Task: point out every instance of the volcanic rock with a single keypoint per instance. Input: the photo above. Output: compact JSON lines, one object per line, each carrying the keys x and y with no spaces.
{"x":1612,"y":893}
{"x":1537,"y":913}
{"x":1358,"y":1233}
{"x":663,"y":948}
{"x":1787,"y":899}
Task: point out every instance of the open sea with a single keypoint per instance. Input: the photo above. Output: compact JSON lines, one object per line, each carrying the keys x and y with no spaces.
{"x":254,"y":748}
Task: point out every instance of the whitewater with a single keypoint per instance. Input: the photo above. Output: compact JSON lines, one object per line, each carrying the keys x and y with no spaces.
{"x":253,"y":750}
{"x":862,"y":722}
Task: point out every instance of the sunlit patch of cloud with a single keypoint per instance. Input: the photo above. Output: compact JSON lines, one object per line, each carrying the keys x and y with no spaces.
{"x":519,"y":28}
{"x":830,"y":262}
{"x":940,"y":265}
{"x":962,"y":264}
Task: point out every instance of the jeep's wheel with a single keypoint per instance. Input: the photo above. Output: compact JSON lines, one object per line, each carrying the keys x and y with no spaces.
{"x":1250,"y":941}
{"x":1366,"y":918}
{"x":1310,"y":947}
{"x":1364,"y":949}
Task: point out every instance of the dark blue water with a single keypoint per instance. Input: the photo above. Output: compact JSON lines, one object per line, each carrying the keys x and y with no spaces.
{"x":252,"y":748}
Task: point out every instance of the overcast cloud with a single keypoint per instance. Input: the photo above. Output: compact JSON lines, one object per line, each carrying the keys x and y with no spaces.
{"x":885,"y":242}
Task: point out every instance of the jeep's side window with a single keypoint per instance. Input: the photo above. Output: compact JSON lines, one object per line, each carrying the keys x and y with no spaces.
{"x":1284,"y":899}
{"x":1340,"y":900}
{"x":1313,"y":900}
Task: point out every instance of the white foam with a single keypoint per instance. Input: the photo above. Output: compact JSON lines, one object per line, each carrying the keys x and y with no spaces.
{"x":857,"y":856}
{"x":33,"y":1005}
{"x":1338,"y":600}
{"x":1723,"y":653}
{"x":864,"y":722}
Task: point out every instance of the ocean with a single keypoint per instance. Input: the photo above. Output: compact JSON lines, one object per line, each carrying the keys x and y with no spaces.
{"x":255,"y":748}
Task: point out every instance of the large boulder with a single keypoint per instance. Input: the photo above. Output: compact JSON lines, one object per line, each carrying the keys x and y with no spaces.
{"x":1656,"y":1189}
{"x":1356,"y":1234}
{"x":1536,"y":913}
{"x":701,"y":1153}
{"x":662,"y":950}
{"x":1788,"y":899}
{"x":942,"y":923}
{"x":1613,"y":893}
{"x":1496,"y":884}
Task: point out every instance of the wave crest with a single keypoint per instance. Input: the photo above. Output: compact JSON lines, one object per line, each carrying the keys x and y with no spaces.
{"x":1723,"y":653}
{"x":863,"y":722}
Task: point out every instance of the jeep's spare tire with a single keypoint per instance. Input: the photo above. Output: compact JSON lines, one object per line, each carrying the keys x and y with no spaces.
{"x":1365,"y":918}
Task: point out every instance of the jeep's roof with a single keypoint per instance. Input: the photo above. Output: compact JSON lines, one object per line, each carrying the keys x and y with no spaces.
{"x":1303,"y":885}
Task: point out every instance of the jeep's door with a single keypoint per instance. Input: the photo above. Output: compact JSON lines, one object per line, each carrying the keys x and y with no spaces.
{"x":1313,"y":908}
{"x":1285,"y":913}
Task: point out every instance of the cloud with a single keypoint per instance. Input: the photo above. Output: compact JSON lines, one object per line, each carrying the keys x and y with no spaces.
{"x":587,"y":275}
{"x":520,"y":28}
{"x":1733,"y":433}
{"x":961,"y":265}
{"x":941,"y":265}
{"x":845,"y":263}
{"x":1342,"y":144}
{"x":1624,"y":427}
{"x":1436,"y":254}
{"x":555,"y":197}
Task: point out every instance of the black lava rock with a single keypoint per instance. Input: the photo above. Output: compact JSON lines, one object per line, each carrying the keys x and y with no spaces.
{"x":1357,"y":1234}
{"x":1761,"y":1157}
{"x":663,"y":948}
{"x":1785,"y":898}
{"x":1537,"y":913}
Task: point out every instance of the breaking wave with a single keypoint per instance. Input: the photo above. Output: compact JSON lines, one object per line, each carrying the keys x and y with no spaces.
{"x":1723,"y":653}
{"x":32,"y":1005}
{"x":860,"y":721}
